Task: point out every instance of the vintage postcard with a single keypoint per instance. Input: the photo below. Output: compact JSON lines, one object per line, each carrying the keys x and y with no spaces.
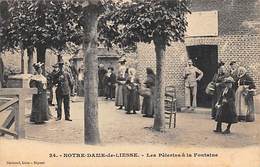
{"x":89,"y":83}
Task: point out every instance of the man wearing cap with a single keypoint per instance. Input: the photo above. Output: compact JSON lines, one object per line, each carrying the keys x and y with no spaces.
{"x":64,"y":86}
{"x":190,"y":77}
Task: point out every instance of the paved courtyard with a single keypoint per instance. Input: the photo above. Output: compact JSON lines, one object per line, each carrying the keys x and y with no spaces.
{"x":116,"y":127}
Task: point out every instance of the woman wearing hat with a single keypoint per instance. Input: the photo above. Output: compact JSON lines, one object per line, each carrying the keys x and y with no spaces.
{"x":40,"y":108}
{"x":225,"y":107}
{"x":244,"y":96}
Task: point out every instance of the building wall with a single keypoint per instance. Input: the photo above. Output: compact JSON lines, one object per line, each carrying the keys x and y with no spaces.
{"x":238,"y":40}
{"x":241,"y":48}
{"x":234,"y":16}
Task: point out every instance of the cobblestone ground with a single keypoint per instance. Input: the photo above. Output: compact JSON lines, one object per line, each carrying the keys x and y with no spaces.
{"x":116,"y":127}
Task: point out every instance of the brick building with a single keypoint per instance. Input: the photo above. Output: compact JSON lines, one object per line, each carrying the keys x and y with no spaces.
{"x":235,"y":37}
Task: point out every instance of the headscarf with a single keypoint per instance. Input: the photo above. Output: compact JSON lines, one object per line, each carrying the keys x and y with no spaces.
{"x":241,"y":71}
{"x":132,"y":71}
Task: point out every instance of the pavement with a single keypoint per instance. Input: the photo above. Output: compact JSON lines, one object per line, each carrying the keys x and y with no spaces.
{"x":116,"y":127}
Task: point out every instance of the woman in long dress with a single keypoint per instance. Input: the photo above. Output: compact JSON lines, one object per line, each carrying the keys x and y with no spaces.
{"x":226,"y":111}
{"x":133,"y":98}
{"x":121,"y":80}
{"x":40,"y":108}
{"x":125,"y":88}
{"x":148,"y":100}
{"x":244,"y":96}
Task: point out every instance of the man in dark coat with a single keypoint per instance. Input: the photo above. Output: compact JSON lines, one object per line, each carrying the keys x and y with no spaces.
{"x":64,"y":86}
{"x":101,"y":75}
{"x":110,"y":83}
{"x":50,"y":79}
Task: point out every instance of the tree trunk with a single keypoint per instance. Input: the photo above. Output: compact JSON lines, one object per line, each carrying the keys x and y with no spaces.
{"x":22,"y":58}
{"x":41,"y":51}
{"x":91,"y":131}
{"x":159,"y":120}
{"x":22,"y":61}
{"x":30,"y":60}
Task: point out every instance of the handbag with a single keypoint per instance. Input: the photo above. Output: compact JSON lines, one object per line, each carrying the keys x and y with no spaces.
{"x":145,"y":92}
{"x":210,"y":89}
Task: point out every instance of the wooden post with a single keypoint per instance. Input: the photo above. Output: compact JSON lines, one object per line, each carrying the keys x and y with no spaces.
{"x":19,"y":117}
{"x":19,"y":110}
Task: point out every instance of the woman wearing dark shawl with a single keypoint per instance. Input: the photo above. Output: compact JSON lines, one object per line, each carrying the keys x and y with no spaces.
{"x":148,"y":100}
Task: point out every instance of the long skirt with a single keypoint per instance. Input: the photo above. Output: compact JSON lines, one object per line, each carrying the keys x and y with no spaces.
{"x":40,"y":108}
{"x":81,"y":88}
{"x":133,"y":101}
{"x":110,"y":91}
{"x":244,"y":105}
{"x":226,"y":113}
{"x":125,"y":93}
{"x":148,"y":106}
{"x":120,"y":95}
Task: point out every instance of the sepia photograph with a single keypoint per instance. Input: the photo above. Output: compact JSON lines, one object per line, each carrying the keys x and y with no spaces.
{"x":130,"y":83}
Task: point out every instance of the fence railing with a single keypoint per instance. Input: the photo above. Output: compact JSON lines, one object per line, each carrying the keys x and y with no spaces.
{"x":15,"y":97}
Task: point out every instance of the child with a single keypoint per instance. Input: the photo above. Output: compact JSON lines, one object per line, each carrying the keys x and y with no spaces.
{"x":226,"y":107}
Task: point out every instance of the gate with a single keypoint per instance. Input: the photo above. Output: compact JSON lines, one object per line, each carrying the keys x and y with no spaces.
{"x":15,"y":97}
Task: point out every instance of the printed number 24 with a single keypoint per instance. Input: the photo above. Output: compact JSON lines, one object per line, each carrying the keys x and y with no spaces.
{"x":52,"y":155}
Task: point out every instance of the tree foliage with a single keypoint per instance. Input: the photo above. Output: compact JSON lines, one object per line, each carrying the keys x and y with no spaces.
{"x":49,"y":23}
{"x":127,"y":23}
{"x":159,"y":21}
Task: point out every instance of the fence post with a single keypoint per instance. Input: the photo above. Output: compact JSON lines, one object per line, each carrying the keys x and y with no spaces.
{"x":19,"y":117}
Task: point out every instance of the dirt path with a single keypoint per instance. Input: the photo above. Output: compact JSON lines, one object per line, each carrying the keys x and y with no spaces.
{"x":117,"y":127}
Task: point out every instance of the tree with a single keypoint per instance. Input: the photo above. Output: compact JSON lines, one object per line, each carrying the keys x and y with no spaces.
{"x":42,"y":25}
{"x":4,"y":16}
{"x":90,"y":18}
{"x":161,"y":22}
{"x":53,"y":24}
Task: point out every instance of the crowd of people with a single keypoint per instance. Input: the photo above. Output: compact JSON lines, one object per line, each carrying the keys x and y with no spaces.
{"x":231,"y":90}
{"x":126,"y":88}
{"x":232,"y":96}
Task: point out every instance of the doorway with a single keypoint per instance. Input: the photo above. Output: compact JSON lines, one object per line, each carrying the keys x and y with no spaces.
{"x":205,"y":58}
